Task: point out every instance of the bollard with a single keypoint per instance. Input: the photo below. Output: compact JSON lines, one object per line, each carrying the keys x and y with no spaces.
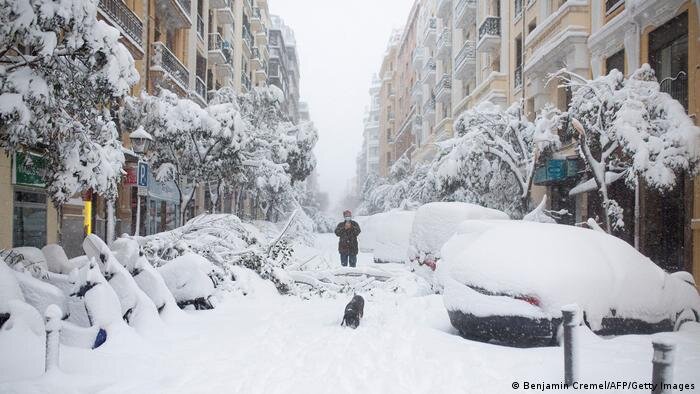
{"x":52,"y":318}
{"x":662,"y":373}
{"x":569,"y":321}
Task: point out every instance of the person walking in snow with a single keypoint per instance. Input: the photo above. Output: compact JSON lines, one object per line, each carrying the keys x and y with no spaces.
{"x":347,"y":230}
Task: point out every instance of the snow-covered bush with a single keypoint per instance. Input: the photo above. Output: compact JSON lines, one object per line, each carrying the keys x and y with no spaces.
{"x":225,"y":241}
{"x":61,"y":70}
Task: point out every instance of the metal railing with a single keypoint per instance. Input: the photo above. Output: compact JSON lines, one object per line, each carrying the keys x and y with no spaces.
{"x":200,"y":88}
{"x":677,"y":88}
{"x":462,"y":6}
{"x":216,"y":42}
{"x":256,"y":13}
{"x":518,"y":9}
{"x":431,"y":27}
{"x":467,"y":53}
{"x":429,"y":66}
{"x":445,"y":83}
{"x":247,"y":37}
{"x":429,"y":104}
{"x":186,"y":5}
{"x":256,"y":53}
{"x":518,"y":77}
{"x":124,"y":18}
{"x":165,"y":59}
{"x":245,"y":80}
{"x":445,"y":38}
{"x":200,"y":26}
{"x":490,"y":26}
{"x":612,"y":5}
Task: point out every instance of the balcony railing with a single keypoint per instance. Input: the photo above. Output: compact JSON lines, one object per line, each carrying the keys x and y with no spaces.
{"x":518,"y":9}
{"x":186,"y":5}
{"x":430,"y":29}
{"x":429,"y":104}
{"x":467,"y":53}
{"x":216,"y":42}
{"x":491,"y":26}
{"x":126,"y":19}
{"x":518,"y":77}
{"x":257,"y":13}
{"x":429,"y":67}
{"x":247,"y":37}
{"x":165,"y":59}
{"x":444,"y":40}
{"x":464,"y":9}
{"x":677,"y":88}
{"x":200,"y":88}
{"x":200,"y":26}
{"x":245,"y":80}
{"x":445,"y":83}
{"x":612,"y":5}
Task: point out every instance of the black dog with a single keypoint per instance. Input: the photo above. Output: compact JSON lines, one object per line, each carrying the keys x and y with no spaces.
{"x":353,"y":312}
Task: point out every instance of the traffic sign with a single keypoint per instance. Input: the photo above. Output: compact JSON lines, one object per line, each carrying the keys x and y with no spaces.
{"x":143,"y":174}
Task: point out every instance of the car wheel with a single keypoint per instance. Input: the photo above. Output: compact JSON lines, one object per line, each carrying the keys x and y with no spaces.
{"x":686,"y":315}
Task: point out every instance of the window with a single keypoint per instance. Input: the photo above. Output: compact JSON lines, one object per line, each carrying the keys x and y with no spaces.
{"x":668,"y":56}
{"x":29,"y":218}
{"x":518,"y":72}
{"x":616,"y":61}
{"x":531,"y":26}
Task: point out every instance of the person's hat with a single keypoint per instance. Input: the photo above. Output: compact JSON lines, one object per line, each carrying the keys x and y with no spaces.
{"x":347,"y":213}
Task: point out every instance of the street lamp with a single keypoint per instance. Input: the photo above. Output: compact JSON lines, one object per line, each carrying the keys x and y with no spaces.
{"x":140,"y":142}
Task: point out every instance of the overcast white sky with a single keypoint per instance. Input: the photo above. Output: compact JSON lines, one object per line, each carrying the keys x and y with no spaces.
{"x":340,"y":45}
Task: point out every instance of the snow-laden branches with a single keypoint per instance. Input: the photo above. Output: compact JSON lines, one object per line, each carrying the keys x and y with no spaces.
{"x":61,"y":72}
{"x":629,"y":128}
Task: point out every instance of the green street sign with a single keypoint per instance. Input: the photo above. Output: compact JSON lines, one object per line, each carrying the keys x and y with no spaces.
{"x":28,"y":170}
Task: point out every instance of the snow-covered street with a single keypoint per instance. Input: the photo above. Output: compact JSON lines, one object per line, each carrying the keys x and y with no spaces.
{"x":267,"y":343}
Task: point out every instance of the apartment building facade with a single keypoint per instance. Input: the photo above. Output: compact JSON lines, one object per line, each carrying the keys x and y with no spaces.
{"x":503,"y":51}
{"x":368,"y":159}
{"x":191,"y":47}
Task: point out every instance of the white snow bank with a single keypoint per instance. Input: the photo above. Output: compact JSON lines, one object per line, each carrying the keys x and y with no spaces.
{"x":563,"y":265}
{"x":40,"y":294}
{"x":56,"y":259}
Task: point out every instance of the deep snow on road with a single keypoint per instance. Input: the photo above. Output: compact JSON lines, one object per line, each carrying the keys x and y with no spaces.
{"x":265,"y":343}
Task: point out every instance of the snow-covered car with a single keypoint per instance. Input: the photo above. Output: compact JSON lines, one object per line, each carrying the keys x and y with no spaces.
{"x":434,"y":224}
{"x":386,"y":235}
{"x":514,"y":294}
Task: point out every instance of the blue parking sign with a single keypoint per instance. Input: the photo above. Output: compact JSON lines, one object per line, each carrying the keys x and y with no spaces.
{"x":143,"y":174}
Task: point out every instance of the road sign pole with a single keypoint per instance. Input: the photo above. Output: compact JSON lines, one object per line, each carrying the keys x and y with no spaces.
{"x":141,"y":182}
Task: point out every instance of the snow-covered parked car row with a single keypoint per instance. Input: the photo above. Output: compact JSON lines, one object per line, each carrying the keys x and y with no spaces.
{"x":507,"y":280}
{"x":98,"y":294}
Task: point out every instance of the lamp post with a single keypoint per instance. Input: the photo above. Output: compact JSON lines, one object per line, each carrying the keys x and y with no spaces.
{"x":140,"y":142}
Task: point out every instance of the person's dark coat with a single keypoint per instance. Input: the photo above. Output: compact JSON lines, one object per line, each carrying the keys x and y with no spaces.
{"x":348,"y":237}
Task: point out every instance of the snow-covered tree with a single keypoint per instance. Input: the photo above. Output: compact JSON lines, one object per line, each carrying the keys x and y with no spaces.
{"x":192,"y":146}
{"x":61,"y":72}
{"x":629,"y":128}
{"x":492,"y":158}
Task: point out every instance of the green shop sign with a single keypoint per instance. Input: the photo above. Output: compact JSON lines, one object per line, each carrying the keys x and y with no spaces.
{"x":28,"y":170}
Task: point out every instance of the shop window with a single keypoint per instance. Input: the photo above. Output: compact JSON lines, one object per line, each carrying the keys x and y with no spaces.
{"x":29,"y":218}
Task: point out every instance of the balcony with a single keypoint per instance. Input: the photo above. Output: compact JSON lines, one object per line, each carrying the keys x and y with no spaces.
{"x":226,"y":69}
{"x":444,"y":44}
{"x":430,"y":31}
{"x":518,"y":78}
{"x":256,"y":21}
{"x":465,"y":12}
{"x":443,"y":90}
{"x":224,"y":15}
{"x":176,"y":12}
{"x":418,"y":57}
{"x":429,"y":105}
{"x":443,"y":8}
{"x":417,"y":93}
{"x":117,"y":14}
{"x":169,"y":67}
{"x":255,"y":57}
{"x":200,"y":91}
{"x":261,"y":71}
{"x":261,"y":37}
{"x":217,"y":46}
{"x":429,"y":71}
{"x":489,"y":34}
{"x":245,"y":81}
{"x":465,"y":61}
{"x":200,"y":27}
{"x":247,"y":39}
{"x":417,"y":122}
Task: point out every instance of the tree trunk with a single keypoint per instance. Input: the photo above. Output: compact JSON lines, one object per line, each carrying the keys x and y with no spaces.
{"x":110,"y":222}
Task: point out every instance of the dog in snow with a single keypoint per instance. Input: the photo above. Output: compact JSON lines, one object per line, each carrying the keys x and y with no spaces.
{"x":353,"y":312}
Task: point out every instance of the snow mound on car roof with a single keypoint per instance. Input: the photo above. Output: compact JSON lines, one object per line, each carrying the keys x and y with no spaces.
{"x":435,"y":223}
{"x":563,"y":265}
